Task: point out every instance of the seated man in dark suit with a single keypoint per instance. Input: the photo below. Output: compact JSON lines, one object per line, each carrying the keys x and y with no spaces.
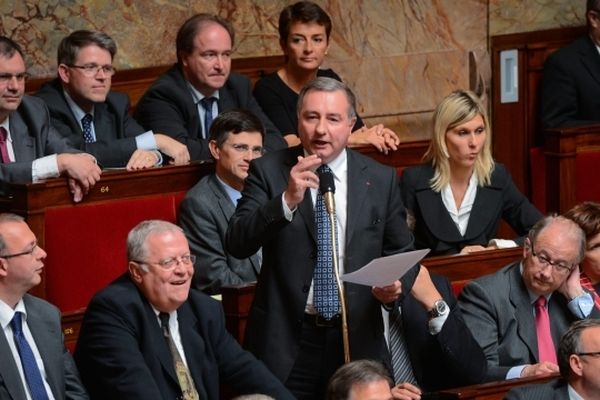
{"x":571,"y":81}
{"x":183,"y":102}
{"x":236,"y":138}
{"x":30,"y":148}
{"x":148,"y":336}
{"x":360,"y":380}
{"x":94,"y":119}
{"x":519,"y":313}
{"x":35,"y":362}
{"x":579,"y":362}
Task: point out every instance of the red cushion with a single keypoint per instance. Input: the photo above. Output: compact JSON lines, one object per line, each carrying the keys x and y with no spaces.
{"x":587,"y":165}
{"x":86,"y":245}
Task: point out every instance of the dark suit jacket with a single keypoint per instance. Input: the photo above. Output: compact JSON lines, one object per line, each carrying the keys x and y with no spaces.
{"x":43,"y":320}
{"x":33,"y":137}
{"x":500,"y":316}
{"x":204,"y":215}
{"x":122,"y":353}
{"x":434,"y":227}
{"x":553,"y":390}
{"x":571,"y":85}
{"x":449,"y":359}
{"x":375,"y":227}
{"x":168,"y":107}
{"x":115,"y":129}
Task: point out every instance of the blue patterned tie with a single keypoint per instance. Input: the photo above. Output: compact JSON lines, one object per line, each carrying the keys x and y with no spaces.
{"x":207,"y":104}
{"x":325,"y":297}
{"x":30,"y":367}
{"x":86,"y":123}
{"x":403,"y":371}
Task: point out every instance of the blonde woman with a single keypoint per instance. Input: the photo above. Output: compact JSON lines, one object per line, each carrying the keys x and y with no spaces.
{"x":458,"y":197}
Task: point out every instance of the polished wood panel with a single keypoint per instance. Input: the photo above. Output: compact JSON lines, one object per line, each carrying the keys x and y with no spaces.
{"x":490,"y":391}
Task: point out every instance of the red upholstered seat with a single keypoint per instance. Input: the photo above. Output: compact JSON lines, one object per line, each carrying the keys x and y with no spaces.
{"x":73,"y":275}
{"x":587,"y":165}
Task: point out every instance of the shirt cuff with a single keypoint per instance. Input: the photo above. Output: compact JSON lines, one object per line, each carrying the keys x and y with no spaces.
{"x":44,"y":168}
{"x":502,"y":243}
{"x":515,"y":372}
{"x":582,"y":305}
{"x":146,"y":141}
{"x":289,"y":214}
{"x":436,"y":324}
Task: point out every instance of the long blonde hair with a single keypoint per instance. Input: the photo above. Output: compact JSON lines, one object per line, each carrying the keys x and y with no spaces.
{"x":456,"y":108}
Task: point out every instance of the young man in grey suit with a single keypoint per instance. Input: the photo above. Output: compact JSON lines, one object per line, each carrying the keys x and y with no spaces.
{"x":183,"y":102}
{"x":506,"y":311}
{"x":35,"y":362}
{"x":95,"y":119}
{"x":236,"y":138}
{"x":30,"y":147}
{"x":579,"y":361}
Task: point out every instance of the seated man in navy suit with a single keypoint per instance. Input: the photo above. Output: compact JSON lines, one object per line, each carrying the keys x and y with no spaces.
{"x":236,"y":138}
{"x":30,"y":148}
{"x":148,"y":336}
{"x":94,"y":119}
{"x":183,"y":102}
{"x":35,"y":362}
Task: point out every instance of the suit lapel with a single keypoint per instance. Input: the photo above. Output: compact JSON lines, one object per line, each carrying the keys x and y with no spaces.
{"x":358,"y":188}
{"x":193,"y":344}
{"x":162,"y":348}
{"x":9,"y":373}
{"x":590,"y":58}
{"x":519,"y":298}
{"x":22,"y":142}
{"x":103,"y":125}
{"x":483,"y":211}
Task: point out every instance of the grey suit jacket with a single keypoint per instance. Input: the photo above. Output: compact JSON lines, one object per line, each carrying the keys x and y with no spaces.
{"x":33,"y":137}
{"x":500,"y":316}
{"x":115,"y":129}
{"x":553,"y":390}
{"x":43,"y":320}
{"x":204,"y":215}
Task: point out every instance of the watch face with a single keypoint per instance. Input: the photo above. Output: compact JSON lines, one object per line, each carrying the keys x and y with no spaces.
{"x":441,"y":306}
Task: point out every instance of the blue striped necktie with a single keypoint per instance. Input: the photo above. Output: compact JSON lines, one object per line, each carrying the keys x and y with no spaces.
{"x":30,"y":367}
{"x":403,"y":371}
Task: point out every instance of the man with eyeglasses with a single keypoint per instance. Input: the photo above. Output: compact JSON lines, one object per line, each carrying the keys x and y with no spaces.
{"x":30,"y":148}
{"x":92,"y":117}
{"x":35,"y":363}
{"x":148,"y":336}
{"x":236,"y":138}
{"x":185,"y":100}
{"x":579,"y":362}
{"x":571,"y":80}
{"x":518,"y":314}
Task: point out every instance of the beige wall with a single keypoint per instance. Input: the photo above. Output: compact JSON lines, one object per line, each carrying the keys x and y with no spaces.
{"x":400,"y":56}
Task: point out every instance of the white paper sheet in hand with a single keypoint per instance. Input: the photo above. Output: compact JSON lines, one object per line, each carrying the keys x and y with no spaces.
{"x":384,"y":271}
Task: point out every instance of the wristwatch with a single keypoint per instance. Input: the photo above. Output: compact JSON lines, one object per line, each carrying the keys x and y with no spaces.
{"x":440,"y":308}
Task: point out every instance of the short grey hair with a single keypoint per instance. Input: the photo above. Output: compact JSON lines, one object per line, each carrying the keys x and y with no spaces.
{"x":137,"y":237}
{"x":358,"y":372}
{"x":324,"y":84}
{"x":550,"y":219}
{"x":7,"y":217}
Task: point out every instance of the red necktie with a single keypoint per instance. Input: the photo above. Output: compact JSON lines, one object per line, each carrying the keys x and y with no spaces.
{"x":586,"y":283}
{"x":4,"y":146}
{"x":546,"y":349}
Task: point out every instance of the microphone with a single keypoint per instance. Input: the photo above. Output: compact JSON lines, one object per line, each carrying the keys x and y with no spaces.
{"x":327,"y":188}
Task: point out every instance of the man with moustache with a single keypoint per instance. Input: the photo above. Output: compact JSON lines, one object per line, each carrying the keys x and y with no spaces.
{"x":184,"y":101}
{"x":30,"y":148}
{"x":148,"y":336}
{"x":95,"y":119}
{"x":35,"y":363}
{"x":236,"y":138}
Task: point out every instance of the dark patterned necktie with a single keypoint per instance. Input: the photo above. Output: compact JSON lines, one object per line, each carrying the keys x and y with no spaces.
{"x":4,"y":145}
{"x":325,"y":292}
{"x":186,"y":383}
{"x":86,"y":123}
{"x":403,"y":371}
{"x":32,"y":373}
{"x":207,"y":104}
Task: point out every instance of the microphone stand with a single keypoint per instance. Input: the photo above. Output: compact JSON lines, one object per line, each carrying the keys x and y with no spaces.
{"x":330,"y":204}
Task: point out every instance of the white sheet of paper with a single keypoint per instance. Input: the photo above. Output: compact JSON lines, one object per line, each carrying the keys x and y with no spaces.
{"x":384,"y":271}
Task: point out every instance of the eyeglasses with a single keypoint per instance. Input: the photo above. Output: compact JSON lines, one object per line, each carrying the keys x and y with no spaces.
{"x":5,"y":77}
{"x":244,"y":148}
{"x":23,"y":253}
{"x":93,"y":69}
{"x":170,"y":263}
{"x":559,"y":267}
{"x":591,"y":354}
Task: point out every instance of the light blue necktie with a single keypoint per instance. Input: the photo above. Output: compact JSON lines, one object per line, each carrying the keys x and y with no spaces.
{"x":207,"y":104}
{"x":30,"y":367}
{"x":325,"y":297}
{"x":86,"y":123}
